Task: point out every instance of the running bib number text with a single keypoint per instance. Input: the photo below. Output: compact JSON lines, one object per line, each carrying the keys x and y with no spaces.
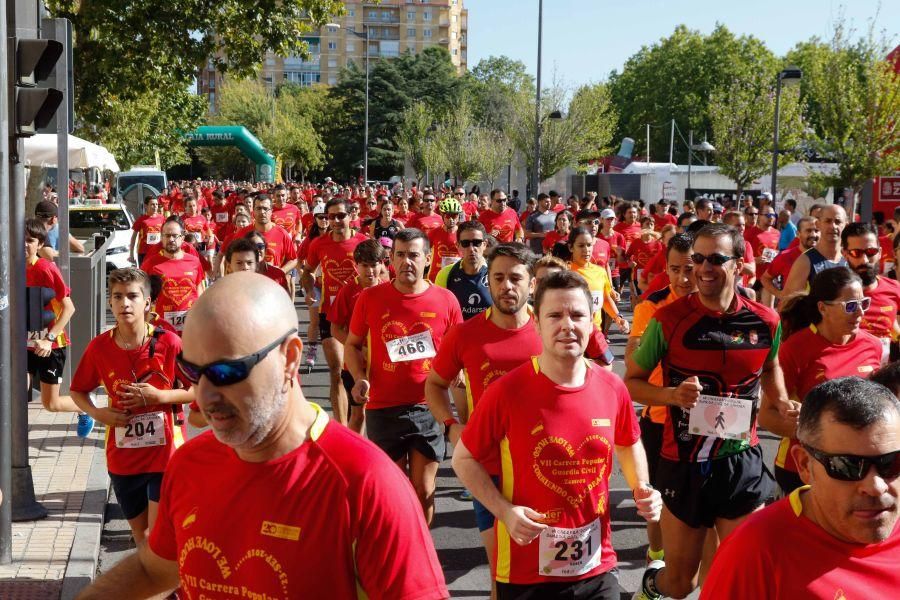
{"x":727,"y":418}
{"x":142,"y":431}
{"x":568,"y":552}
{"x":176,"y":318}
{"x":153,"y":237}
{"x":411,"y":347}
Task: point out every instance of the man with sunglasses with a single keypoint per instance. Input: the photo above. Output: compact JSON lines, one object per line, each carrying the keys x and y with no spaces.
{"x":826,"y":254}
{"x":427,"y":219}
{"x":717,"y":351}
{"x":862,"y":251}
{"x":333,"y":250}
{"x":402,"y":323}
{"x":467,"y":278}
{"x":501,"y":221}
{"x":249,"y":509}
{"x":836,"y":537}
{"x":135,"y":363}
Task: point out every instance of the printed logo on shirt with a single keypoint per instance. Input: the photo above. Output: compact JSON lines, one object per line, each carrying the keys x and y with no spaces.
{"x":427,"y":315}
{"x":277,"y":530}
{"x":865,"y":368}
{"x":538,"y":429}
{"x":551,"y":516}
{"x":570,"y":470}
{"x":599,"y":422}
{"x":753,"y":337}
{"x":190,"y":518}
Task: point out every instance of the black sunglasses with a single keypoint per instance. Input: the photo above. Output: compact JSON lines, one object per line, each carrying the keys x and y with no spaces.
{"x":715,"y":258}
{"x":467,"y":243}
{"x":337,"y":216}
{"x":860,"y":252}
{"x":228,"y":371}
{"x":849,"y":467}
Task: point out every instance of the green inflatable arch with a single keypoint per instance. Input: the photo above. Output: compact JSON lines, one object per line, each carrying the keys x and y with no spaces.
{"x":240,"y":137}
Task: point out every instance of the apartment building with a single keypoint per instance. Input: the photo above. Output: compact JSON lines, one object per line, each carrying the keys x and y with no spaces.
{"x":393,"y":27}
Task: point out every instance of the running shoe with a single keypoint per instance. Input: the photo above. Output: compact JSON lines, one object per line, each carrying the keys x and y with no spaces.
{"x":311,"y":350}
{"x":85,"y":425}
{"x":642,"y":593}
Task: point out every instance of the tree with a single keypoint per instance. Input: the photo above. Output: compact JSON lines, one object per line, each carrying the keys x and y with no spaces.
{"x":674,"y":78}
{"x":494,"y":151}
{"x":857,"y":93}
{"x":585,"y":132}
{"x":493,"y":85}
{"x":413,"y":135}
{"x":742,"y":116}
{"x":459,"y":141}
{"x":120,"y":58}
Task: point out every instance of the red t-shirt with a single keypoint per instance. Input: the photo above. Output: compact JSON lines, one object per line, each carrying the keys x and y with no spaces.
{"x":641,"y":252}
{"x":882,"y":314}
{"x":264,"y":538}
{"x":197,"y":224}
{"x":616,"y":242}
{"x":44,"y":273}
{"x":601,"y":252}
{"x":150,"y":229}
{"x":765,"y":240}
{"x":181,"y":282}
{"x":344,"y":303}
{"x":470,"y":209}
{"x":556,"y":447}
{"x":502,"y":226}
{"x":807,"y":359}
{"x":306,"y":221}
{"x":781,"y":265}
{"x":444,"y":251}
{"x":280,"y":247}
{"x":221,"y":218}
{"x":779,"y":553}
{"x":383,"y":314}
{"x":552,"y":237}
{"x":105,"y":363}
{"x":426,"y":224}
{"x":656,"y":265}
{"x":287,"y":217}
{"x":659,"y":281}
{"x":660,"y":221}
{"x":277,"y":275}
{"x":630,"y":233}
{"x":338,"y":267}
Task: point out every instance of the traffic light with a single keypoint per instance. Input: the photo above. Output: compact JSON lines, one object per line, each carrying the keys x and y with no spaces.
{"x":35,"y":107}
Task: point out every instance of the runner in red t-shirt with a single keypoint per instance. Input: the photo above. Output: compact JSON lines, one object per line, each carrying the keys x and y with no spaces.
{"x":500,"y":221}
{"x":616,"y":243}
{"x":559,"y":234}
{"x":135,"y":364}
{"x":146,"y":229}
{"x":765,"y":244}
{"x":280,"y":249}
{"x":285,"y":215}
{"x":444,"y":249}
{"x":333,"y":251}
{"x":221,"y":214}
{"x":402,"y":323}
{"x":428,"y":219}
{"x":314,"y":485}
{"x":196,"y":224}
{"x":548,"y":422}
{"x":776,"y":275}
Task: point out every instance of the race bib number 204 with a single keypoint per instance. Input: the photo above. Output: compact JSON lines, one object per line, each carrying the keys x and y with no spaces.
{"x":143,"y":431}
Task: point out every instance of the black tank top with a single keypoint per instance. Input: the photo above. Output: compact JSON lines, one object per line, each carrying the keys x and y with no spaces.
{"x":818,"y":263}
{"x":390,"y":231}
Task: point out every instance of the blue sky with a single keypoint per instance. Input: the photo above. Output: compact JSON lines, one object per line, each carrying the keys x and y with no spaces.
{"x":586,"y":39}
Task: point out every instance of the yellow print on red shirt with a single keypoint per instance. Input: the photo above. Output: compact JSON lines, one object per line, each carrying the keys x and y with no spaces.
{"x":225,"y":587}
{"x":570,"y":471}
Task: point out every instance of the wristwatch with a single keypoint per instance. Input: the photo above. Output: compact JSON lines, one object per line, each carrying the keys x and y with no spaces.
{"x":49,"y":336}
{"x":448,"y":423}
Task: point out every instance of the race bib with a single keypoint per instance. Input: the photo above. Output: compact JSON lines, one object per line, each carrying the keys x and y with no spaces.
{"x":885,"y":351}
{"x":596,"y":301}
{"x":153,"y":237}
{"x":221,"y":217}
{"x":568,"y":552}
{"x":727,"y":418}
{"x":769,"y":254}
{"x":176,"y":318}
{"x":142,"y":431}
{"x":34,"y":336}
{"x":446,"y":261}
{"x":888,"y":265}
{"x":411,"y":347}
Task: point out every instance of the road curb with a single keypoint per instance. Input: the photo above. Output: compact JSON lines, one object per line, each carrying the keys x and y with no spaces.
{"x":82,"y":564}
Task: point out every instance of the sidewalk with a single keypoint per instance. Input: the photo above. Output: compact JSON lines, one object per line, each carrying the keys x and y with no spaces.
{"x":70,"y":480}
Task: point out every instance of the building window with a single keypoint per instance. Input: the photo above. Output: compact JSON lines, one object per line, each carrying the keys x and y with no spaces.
{"x":411,"y":32}
{"x":332,"y":79}
{"x":332,"y":45}
{"x":426,"y":33}
{"x":373,"y":14}
{"x":452,"y":35}
{"x":351,"y":47}
{"x":454,"y":52}
{"x":453,"y":18}
{"x":411,"y":15}
{"x":332,"y":63}
{"x":426,"y":16}
{"x":351,"y":12}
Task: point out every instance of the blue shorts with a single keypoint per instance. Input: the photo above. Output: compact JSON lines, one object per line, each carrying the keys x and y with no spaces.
{"x":484,"y":519}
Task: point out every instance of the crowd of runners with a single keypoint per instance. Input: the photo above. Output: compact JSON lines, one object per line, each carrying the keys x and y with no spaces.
{"x":455,"y":317}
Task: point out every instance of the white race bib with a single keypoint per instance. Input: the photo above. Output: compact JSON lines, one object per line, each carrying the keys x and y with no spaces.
{"x":449,"y":260}
{"x":153,"y":237}
{"x":176,"y":318}
{"x":34,"y":336}
{"x":221,"y":217}
{"x":769,"y":254}
{"x":885,"y":350}
{"x":888,"y":265}
{"x":727,"y":418}
{"x":411,"y":347}
{"x":596,"y":301}
{"x":567,"y":552}
{"x":142,"y":431}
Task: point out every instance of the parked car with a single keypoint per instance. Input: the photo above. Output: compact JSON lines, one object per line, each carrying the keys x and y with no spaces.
{"x":86,"y":221}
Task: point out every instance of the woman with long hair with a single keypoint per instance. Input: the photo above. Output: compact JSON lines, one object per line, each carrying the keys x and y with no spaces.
{"x":581,"y":247}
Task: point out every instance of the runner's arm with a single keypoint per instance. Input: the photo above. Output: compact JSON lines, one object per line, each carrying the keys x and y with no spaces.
{"x":633,"y":461}
{"x":796,"y":280}
{"x":133,"y":244}
{"x":143,"y":574}
{"x":340,"y":331}
{"x":437,"y":394}
{"x":354,"y":357}
{"x":767,"y":282}
{"x":289,"y":266}
{"x":68,"y":309}
{"x":777,"y":413}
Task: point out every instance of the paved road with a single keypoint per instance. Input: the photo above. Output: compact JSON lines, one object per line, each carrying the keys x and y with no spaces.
{"x":455,"y":536}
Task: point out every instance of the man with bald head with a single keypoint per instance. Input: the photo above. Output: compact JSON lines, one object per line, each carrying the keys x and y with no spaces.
{"x":251,"y":507}
{"x":826,"y":254}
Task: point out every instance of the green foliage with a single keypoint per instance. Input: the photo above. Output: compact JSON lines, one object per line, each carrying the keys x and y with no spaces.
{"x":674,"y":79}
{"x":459,"y":140}
{"x":413,"y":135}
{"x":742,"y":116}
{"x":137,"y":56}
{"x":493,"y":84}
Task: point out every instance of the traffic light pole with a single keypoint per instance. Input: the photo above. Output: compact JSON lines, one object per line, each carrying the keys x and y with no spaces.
{"x":5,"y":324}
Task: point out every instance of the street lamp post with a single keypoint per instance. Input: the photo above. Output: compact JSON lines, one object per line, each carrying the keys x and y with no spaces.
{"x":365,"y":36}
{"x":536,"y":175}
{"x":703,"y":147}
{"x":789,"y":75}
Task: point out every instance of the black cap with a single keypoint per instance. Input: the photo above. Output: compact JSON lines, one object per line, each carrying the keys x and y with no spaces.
{"x":587,"y":214}
{"x":46,"y":209}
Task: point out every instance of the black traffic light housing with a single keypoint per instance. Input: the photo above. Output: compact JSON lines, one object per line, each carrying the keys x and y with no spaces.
{"x":35,"y":107}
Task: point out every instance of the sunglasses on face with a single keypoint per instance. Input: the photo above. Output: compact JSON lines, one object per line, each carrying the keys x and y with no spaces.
{"x":467,"y":243}
{"x":459,"y":194}
{"x":321,"y":216}
{"x":715,"y":258}
{"x":337,"y":216}
{"x":860,"y":252}
{"x":260,"y":246}
{"x":851,"y":306}
{"x":849,"y":467}
{"x":230,"y":371}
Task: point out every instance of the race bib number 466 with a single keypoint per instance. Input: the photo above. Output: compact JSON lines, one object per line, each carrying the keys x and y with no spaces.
{"x":568,"y":552}
{"x":142,"y":431}
{"x":411,"y":347}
